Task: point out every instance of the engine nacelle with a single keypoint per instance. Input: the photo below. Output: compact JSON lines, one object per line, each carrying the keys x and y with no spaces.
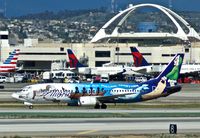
{"x":28,"y":104}
{"x":88,"y":100}
{"x":85,"y":70}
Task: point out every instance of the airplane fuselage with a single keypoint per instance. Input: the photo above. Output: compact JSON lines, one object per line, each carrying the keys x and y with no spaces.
{"x":117,"y":93}
{"x":67,"y":92}
{"x":112,"y":70}
{"x":188,"y":68}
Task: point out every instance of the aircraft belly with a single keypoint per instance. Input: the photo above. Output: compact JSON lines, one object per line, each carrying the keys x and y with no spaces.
{"x":129,"y":99}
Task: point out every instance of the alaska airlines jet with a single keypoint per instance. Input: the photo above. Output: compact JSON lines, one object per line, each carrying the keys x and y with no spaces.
{"x":98,"y":94}
{"x":10,"y":64}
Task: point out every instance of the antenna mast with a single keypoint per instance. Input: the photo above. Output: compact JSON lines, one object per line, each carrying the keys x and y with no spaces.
{"x":170,"y":4}
{"x":5,"y":8}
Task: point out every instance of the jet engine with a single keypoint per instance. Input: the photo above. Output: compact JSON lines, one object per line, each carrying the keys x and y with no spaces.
{"x":88,"y":100}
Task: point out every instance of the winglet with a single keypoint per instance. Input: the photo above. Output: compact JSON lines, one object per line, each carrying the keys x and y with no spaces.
{"x":139,"y":60}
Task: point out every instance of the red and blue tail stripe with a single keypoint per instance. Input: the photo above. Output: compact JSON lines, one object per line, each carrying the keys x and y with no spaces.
{"x":139,"y":60}
{"x":73,"y":61}
{"x":13,"y":57}
{"x":10,"y":64}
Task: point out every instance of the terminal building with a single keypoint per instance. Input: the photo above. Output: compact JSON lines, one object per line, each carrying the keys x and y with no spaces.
{"x":155,"y":46}
{"x":44,"y":56}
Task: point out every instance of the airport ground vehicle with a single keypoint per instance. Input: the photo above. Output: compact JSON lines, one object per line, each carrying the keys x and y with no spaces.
{"x":58,"y":74}
{"x":140,"y":79}
{"x":3,"y":79}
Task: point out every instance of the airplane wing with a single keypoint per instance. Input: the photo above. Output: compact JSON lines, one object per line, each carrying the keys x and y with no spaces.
{"x":111,"y":98}
{"x":142,"y":71}
{"x":131,"y":72}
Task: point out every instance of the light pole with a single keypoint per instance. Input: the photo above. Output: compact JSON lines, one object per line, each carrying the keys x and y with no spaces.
{"x":117,"y":50}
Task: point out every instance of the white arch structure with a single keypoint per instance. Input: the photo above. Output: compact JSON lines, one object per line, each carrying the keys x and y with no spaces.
{"x":101,"y":34}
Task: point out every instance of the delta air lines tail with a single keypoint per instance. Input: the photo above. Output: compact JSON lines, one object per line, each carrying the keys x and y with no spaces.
{"x":74,"y":63}
{"x":139,"y":60}
{"x":10,"y":64}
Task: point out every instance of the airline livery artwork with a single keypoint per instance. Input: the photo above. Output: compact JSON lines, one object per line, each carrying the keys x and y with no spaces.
{"x":10,"y":64}
{"x":102,"y":93}
{"x":73,"y":61}
{"x":139,"y":60}
{"x":169,"y":80}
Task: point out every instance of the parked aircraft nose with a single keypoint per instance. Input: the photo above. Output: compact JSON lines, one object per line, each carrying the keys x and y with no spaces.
{"x":15,"y":96}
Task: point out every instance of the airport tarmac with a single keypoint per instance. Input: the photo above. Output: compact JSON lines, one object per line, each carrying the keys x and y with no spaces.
{"x":103,"y":126}
{"x":96,"y":126}
{"x":82,"y":110}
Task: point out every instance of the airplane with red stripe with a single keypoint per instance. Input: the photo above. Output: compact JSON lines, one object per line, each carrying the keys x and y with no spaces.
{"x":10,"y":64}
{"x":74,"y":63}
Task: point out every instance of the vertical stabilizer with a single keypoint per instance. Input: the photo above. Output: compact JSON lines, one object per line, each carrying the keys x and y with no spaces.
{"x":10,"y":64}
{"x":73,"y":61}
{"x":139,"y":60}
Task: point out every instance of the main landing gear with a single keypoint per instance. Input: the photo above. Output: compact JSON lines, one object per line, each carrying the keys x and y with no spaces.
{"x":30,"y":106}
{"x":98,"y":106}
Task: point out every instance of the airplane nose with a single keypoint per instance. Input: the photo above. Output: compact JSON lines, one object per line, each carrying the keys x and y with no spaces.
{"x":15,"y":96}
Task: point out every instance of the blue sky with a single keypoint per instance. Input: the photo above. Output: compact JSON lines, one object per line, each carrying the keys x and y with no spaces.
{"x":21,"y":7}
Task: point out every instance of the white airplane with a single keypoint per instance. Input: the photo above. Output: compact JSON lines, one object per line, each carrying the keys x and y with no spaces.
{"x":189,"y":68}
{"x":139,"y":61}
{"x":102,"y":93}
{"x":112,"y":70}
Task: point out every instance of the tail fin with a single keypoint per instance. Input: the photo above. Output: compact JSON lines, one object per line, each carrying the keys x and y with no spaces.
{"x":139,"y":60}
{"x":73,"y":61}
{"x":12,"y":59}
{"x":10,"y":64}
{"x":172,"y":71}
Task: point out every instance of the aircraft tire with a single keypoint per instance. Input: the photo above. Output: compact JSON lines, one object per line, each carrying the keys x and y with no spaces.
{"x":30,"y":106}
{"x":103,"y":106}
{"x":97,"y":106}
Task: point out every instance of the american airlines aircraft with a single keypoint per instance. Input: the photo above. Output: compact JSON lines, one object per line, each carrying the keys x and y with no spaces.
{"x":98,"y":94}
{"x":10,"y":64}
{"x":74,"y":63}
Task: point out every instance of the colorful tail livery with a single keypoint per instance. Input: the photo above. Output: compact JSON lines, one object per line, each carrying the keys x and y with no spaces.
{"x":139,"y":60}
{"x":166,"y":83}
{"x":74,"y":63}
{"x":10,"y":64}
{"x":102,"y":93}
{"x":172,"y":71}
